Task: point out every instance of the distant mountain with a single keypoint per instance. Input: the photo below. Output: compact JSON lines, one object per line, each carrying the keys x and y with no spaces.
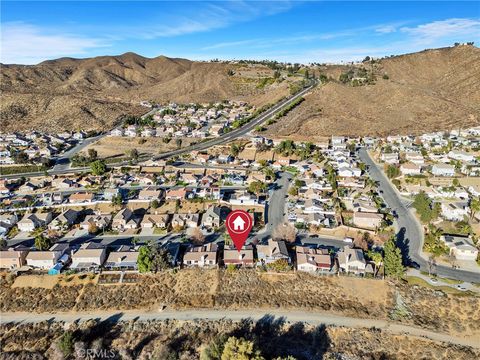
{"x":410,"y":94}
{"x":89,"y":93}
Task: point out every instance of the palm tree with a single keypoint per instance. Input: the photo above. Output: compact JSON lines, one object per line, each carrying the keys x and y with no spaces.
{"x":474,"y":207}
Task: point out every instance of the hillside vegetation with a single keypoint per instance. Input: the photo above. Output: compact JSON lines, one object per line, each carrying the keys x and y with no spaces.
{"x":409,"y":94}
{"x":92,"y":93}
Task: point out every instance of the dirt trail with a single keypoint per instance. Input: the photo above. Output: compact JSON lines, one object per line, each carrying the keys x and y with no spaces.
{"x":313,"y":318}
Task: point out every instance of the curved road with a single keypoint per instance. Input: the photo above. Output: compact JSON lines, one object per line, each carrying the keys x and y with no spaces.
{"x":410,"y":234}
{"x":63,"y":162}
{"x":314,"y":318}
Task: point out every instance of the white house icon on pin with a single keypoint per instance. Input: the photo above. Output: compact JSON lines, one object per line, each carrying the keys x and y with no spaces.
{"x":238,"y":224}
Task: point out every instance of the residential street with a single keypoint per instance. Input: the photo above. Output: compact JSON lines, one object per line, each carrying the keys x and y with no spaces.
{"x":62,"y":166}
{"x":410,"y":232}
{"x":314,"y":318}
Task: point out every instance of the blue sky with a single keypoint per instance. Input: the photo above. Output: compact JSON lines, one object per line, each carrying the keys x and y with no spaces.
{"x":292,"y":31}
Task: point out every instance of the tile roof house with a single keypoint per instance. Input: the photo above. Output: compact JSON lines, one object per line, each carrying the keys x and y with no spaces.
{"x":88,"y":258}
{"x":45,"y":259}
{"x":101,"y":221}
{"x":155,"y":220}
{"x":367,"y":220}
{"x":272,"y":251}
{"x":202,"y":256}
{"x":461,"y":247}
{"x":64,"y":220}
{"x":212,"y":217}
{"x":80,"y":198}
{"x":443,"y":170}
{"x":188,"y":220}
{"x":12,"y":259}
{"x":244,"y":257}
{"x":31,"y":221}
{"x":122,"y":259}
{"x":176,"y":194}
{"x":352,"y":260}
{"x":125,"y":219}
{"x":312,"y":260}
{"x":149,"y":194}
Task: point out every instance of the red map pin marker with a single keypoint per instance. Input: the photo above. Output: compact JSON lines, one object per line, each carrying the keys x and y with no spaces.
{"x":239,"y":223}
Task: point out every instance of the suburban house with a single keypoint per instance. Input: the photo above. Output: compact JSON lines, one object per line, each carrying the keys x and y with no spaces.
{"x":124,"y":219}
{"x":271,"y":252}
{"x":155,"y":220}
{"x":12,"y":258}
{"x":212,"y":217}
{"x":32,"y":221}
{"x":150,"y":194}
{"x":122,"y":259}
{"x":367,"y":220}
{"x":352,"y":260}
{"x":455,"y":211}
{"x":202,"y":256}
{"x":188,"y":220}
{"x":176,"y":194}
{"x":312,"y":260}
{"x":443,"y":170}
{"x":100,"y":221}
{"x":243,"y":198}
{"x":110,"y":193}
{"x":80,"y":198}
{"x":88,"y":258}
{"x":410,"y":169}
{"x":461,"y":247}
{"x":7,"y":221}
{"x":44,"y":260}
{"x":64,"y":220}
{"x":244,"y":257}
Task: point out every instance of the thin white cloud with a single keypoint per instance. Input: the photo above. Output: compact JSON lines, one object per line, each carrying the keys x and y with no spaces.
{"x":455,"y":27}
{"x":207,"y":17}
{"x":27,"y":44}
{"x":386,"y":29}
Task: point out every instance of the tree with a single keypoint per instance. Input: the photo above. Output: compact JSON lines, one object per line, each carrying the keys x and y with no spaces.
{"x":197,"y":236}
{"x":425,"y":207}
{"x":269,"y":173}
{"x":214,"y":350}
{"x":234,"y":149}
{"x":153,"y":258}
{"x":154,"y":204}
{"x":240,"y":349}
{"x":98,"y":167}
{"x":92,"y":154}
{"x":392,"y":171}
{"x":20,"y":157}
{"x":393,"y":259}
{"x":474,"y":207}
{"x":117,"y":200}
{"x":293,"y":191}
{"x":285,"y":232}
{"x":178,"y":142}
{"x":133,"y":155}
{"x":92,"y":228}
{"x":42,"y":242}
{"x":3,"y":243}
{"x":66,"y":343}
{"x":257,"y":187}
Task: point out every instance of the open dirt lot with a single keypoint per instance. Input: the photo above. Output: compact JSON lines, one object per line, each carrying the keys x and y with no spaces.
{"x":187,"y":289}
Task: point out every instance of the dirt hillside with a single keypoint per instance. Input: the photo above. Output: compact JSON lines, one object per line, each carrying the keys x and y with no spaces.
{"x":91,"y":93}
{"x":409,"y":94}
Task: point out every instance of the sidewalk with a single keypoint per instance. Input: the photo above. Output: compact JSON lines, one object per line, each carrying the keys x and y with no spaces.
{"x":465,"y":286}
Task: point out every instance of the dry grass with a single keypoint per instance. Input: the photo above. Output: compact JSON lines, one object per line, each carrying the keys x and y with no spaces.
{"x":272,"y":336}
{"x":427,"y":91}
{"x":194,"y":288}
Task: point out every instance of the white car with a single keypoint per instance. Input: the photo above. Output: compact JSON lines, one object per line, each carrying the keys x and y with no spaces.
{"x":348,"y":240}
